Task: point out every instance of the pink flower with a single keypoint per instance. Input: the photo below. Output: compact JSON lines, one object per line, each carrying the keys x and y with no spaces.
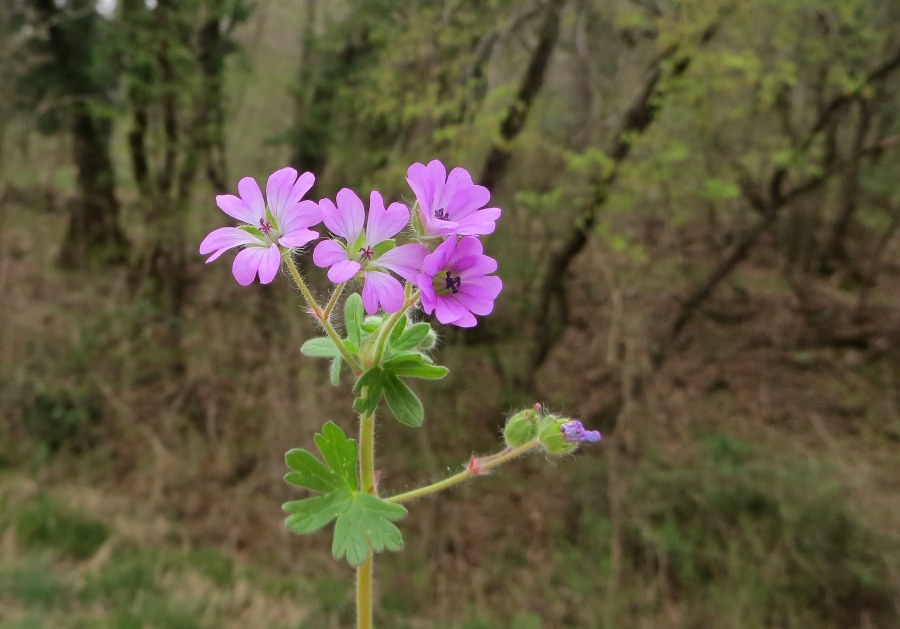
{"x":450,"y":205}
{"x":455,"y":284}
{"x":365,"y":249}
{"x":285,"y":221}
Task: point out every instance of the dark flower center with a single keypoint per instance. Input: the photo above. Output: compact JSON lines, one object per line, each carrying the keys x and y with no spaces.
{"x":366,"y":253}
{"x":441,"y":214}
{"x":452,"y":283}
{"x":265,"y":226}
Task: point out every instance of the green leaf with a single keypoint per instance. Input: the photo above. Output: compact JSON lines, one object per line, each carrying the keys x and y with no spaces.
{"x":367,"y":520}
{"x":404,"y":404}
{"x":384,"y":246}
{"x":369,"y":388}
{"x":321,"y":347}
{"x":397,"y":332}
{"x":353,"y":316}
{"x":418,"y":370}
{"x":308,"y":516}
{"x":334,"y":374}
{"x":309,"y":472}
{"x":339,"y":452}
{"x":371,"y":324}
{"x":411,"y":337}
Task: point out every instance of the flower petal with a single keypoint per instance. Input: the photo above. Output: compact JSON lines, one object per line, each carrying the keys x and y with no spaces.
{"x":384,"y":223}
{"x":347,"y":218}
{"x":298,"y":238}
{"x":457,"y":180}
{"x":278,"y":189}
{"x":437,"y":259}
{"x":405,"y":260}
{"x":300,"y":215}
{"x":252,"y":196}
{"x":236,"y":208}
{"x":303,"y":185}
{"x":383,"y":288}
{"x":474,"y":266}
{"x":246,"y":264}
{"x":225,"y":238}
{"x":479,"y":223}
{"x":466,"y":199}
{"x":269,"y":264}
{"x":329,"y":252}
{"x":343,"y":271}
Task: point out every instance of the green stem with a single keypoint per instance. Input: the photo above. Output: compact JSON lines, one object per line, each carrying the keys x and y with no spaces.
{"x":481,"y":465}
{"x":319,"y":314}
{"x":388,"y":327}
{"x":367,"y":484}
{"x":333,"y":300}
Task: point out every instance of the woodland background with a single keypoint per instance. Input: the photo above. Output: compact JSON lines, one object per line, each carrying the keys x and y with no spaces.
{"x":700,"y":255}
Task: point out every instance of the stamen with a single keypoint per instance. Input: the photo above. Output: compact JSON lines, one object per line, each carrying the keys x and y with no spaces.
{"x":265,"y":226}
{"x":452,"y":283}
{"x":441,"y":214}
{"x":366,"y":253}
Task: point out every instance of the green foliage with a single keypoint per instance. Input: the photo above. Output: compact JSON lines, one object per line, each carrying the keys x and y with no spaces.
{"x":45,"y":523}
{"x":362,"y":521}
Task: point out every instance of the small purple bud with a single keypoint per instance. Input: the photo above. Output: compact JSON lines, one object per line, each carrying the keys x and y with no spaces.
{"x":574,"y":432}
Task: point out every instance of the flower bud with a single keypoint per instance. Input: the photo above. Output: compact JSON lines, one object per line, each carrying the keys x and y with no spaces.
{"x":552,"y":437}
{"x":521,"y":427}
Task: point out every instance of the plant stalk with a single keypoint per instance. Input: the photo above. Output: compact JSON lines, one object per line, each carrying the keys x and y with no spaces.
{"x":367,"y":484}
{"x":476,"y":467}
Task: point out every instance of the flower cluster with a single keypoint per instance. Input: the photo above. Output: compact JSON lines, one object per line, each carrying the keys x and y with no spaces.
{"x":443,"y":262}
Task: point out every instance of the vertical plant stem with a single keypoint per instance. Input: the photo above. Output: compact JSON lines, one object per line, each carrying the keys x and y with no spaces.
{"x":367,"y":484}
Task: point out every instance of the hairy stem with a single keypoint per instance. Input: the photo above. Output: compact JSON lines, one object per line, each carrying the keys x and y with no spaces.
{"x":333,"y":300}
{"x":384,"y":335}
{"x":319,"y":315}
{"x":476,"y":467}
{"x":367,"y":484}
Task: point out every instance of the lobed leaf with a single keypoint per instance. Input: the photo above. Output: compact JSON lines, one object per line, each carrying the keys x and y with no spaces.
{"x":310,"y":472}
{"x":404,"y":404}
{"x":339,"y":452}
{"x":369,"y":388}
{"x":367,"y":521}
{"x":411,"y":338}
{"x":321,"y":347}
{"x":353,"y":316}
{"x":308,"y":516}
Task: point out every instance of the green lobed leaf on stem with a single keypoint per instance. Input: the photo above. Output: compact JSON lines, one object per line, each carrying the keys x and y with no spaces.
{"x":404,"y":404}
{"x":339,"y":452}
{"x":308,"y":516}
{"x":368,"y":389}
{"x":410,"y":338}
{"x":320,"y":347}
{"x":367,"y":520}
{"x":353,"y":316}
{"x":415,"y":366}
{"x":339,"y":469}
{"x":397,"y":332}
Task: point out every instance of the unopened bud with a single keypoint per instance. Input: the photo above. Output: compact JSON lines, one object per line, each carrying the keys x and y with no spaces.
{"x":521,"y":427}
{"x":552,"y":437}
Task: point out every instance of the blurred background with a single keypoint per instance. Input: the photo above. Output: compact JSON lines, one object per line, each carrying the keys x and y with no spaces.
{"x":700,"y":255}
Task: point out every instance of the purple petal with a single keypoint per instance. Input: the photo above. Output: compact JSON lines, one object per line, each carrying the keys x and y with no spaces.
{"x":466,"y":247}
{"x":343,"y":271}
{"x":349,"y":217}
{"x":405,"y":260}
{"x":269,"y":264}
{"x":300,"y":215}
{"x":384,"y":223}
{"x":329,"y":252}
{"x":449,"y":311}
{"x":426,"y":182}
{"x":225,"y":238}
{"x":474,"y":266}
{"x":278,"y":189}
{"x":252,"y":196}
{"x":383,"y":288}
{"x":466,"y":200}
{"x":301,"y":187}
{"x":437,"y":259}
{"x":458,"y":179}
{"x":426,"y":290}
{"x":236,"y":208}
{"x":298,"y":238}
{"x":246,"y":264}
{"x":479,"y":223}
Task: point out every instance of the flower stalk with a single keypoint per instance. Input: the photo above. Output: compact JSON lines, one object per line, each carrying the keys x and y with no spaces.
{"x":367,"y":484}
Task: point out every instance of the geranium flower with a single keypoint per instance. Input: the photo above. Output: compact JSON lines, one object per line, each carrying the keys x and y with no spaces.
{"x":368,"y":250}
{"x":455,"y":284}
{"x":285,"y":221}
{"x":574,"y":432}
{"x":450,"y":205}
